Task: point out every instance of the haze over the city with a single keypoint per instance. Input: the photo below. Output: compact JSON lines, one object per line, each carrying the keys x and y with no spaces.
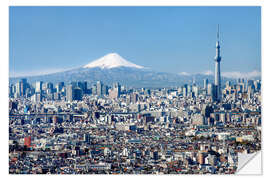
{"x":167,"y":39}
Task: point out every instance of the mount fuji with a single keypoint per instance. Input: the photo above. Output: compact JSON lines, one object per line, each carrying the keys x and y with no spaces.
{"x":113,"y":68}
{"x":112,"y":60}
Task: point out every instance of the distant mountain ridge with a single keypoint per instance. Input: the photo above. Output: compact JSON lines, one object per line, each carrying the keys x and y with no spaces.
{"x":113,"y":68}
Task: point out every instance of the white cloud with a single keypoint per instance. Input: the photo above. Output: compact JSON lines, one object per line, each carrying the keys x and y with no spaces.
{"x":36,"y":72}
{"x":237,"y":74}
{"x":208,"y":73}
{"x":184,"y":73}
{"x":232,"y":74}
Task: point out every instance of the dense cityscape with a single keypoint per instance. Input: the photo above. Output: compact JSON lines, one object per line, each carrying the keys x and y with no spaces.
{"x":74,"y":129}
{"x":96,"y":128}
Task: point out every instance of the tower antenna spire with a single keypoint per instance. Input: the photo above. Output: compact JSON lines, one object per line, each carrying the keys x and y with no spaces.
{"x":218,"y":32}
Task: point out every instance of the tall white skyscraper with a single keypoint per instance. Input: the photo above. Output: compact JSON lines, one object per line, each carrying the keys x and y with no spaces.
{"x":217,"y":71}
{"x":39,"y":86}
{"x":70,"y":92}
{"x":99,"y":88}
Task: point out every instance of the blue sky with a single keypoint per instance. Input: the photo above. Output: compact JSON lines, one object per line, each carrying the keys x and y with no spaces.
{"x":167,"y":39}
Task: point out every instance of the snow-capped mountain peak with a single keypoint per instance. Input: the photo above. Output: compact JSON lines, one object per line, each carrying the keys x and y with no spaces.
{"x":111,"y":60}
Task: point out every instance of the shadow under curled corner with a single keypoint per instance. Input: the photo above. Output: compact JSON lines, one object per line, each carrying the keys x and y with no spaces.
{"x":249,"y":164}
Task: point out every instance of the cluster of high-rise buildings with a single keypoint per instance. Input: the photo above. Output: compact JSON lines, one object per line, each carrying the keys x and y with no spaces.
{"x":132,"y":131}
{"x":40,"y":90}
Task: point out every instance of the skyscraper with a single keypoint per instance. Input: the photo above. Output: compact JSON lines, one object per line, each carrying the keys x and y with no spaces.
{"x":70,"y":89}
{"x":59,"y":86}
{"x":18,"y":89}
{"x":211,"y":90}
{"x":49,"y":86}
{"x":217,"y":71}
{"x":39,"y":86}
{"x":99,"y":88}
{"x":83,"y":86}
{"x":78,"y":93}
{"x":94,"y":89}
{"x":74,"y":93}
{"x":23,"y":86}
{"x":205,"y":83}
{"x":117,"y":88}
{"x":196,"y":91}
{"x":185,"y":90}
{"x":115,"y":91}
